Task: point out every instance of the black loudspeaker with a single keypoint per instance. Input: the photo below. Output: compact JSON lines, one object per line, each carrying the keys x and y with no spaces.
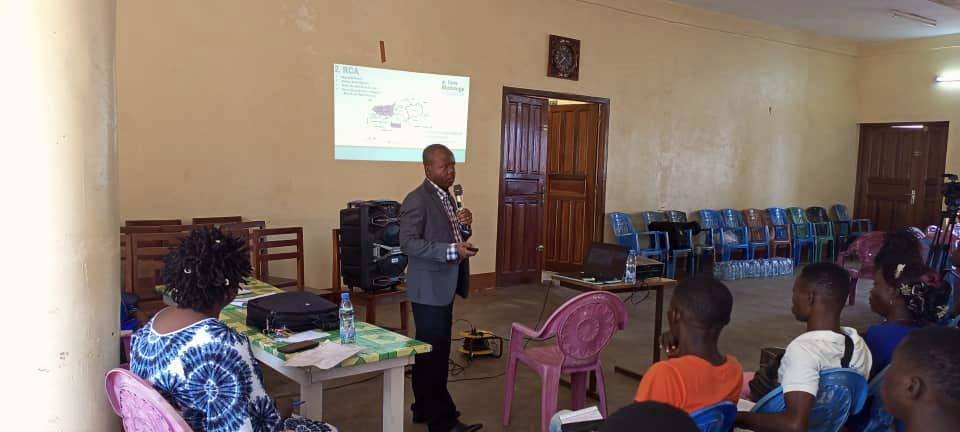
{"x":370,"y":256}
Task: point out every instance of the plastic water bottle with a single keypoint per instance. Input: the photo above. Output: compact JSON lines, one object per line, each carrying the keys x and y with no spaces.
{"x":348,"y":330}
{"x":630,"y":274}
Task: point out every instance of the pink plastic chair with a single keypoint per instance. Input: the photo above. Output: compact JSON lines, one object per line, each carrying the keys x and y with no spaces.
{"x":141,"y":407}
{"x":583,"y":326}
{"x":864,"y":249}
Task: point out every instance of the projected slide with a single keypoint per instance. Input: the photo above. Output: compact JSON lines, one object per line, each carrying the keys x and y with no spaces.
{"x":391,"y":115}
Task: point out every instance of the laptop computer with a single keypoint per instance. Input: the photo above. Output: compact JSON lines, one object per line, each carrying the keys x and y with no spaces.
{"x":605,"y":263}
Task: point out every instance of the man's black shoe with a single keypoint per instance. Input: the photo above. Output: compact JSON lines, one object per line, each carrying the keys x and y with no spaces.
{"x":460,"y":427}
{"x":418,"y":417}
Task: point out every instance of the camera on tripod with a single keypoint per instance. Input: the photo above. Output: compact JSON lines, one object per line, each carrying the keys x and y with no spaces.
{"x":943,"y":238}
{"x":951,"y":192}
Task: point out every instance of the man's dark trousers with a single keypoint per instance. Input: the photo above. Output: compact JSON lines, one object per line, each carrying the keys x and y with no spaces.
{"x":434,"y":326}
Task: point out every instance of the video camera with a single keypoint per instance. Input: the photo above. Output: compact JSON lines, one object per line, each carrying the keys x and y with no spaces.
{"x":951,"y":192}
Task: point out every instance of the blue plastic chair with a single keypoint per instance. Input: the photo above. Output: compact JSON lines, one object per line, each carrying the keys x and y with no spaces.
{"x":674,"y":250}
{"x":627,"y":235}
{"x":711,"y":219}
{"x":842,"y":393}
{"x":952,"y":319}
{"x":733,"y":219}
{"x":823,"y":229}
{"x":879,"y":420}
{"x":803,"y":229}
{"x":778,"y":217}
{"x":849,"y":229}
{"x":700,"y":251}
{"x":715,"y":418}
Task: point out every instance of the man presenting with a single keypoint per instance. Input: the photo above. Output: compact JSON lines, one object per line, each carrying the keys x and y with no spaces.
{"x":434,"y":237}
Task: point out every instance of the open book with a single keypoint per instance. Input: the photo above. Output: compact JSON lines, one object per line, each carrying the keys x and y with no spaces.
{"x":584,"y":420}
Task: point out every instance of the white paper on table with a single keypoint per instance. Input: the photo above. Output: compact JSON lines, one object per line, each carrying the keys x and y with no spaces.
{"x":579,"y":416}
{"x":242,"y":302}
{"x":244,"y":291}
{"x":325,"y":356}
{"x":304,"y":336}
{"x":744,"y":405}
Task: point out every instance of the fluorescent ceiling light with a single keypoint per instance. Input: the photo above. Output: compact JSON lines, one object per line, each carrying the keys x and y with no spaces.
{"x":920,"y":126}
{"x":914,"y":17}
{"x":948,"y":79}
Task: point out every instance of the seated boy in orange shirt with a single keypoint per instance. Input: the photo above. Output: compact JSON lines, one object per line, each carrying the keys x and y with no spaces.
{"x":696,"y":375}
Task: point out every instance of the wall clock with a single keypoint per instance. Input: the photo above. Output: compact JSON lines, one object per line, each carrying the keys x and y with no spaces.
{"x":563,"y":58}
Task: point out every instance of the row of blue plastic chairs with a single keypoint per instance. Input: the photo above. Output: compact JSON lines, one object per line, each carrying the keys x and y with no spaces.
{"x":842,"y":394}
{"x":727,"y":231}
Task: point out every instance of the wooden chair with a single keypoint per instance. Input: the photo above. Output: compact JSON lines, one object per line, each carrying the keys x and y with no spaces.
{"x":249,"y":225}
{"x":265,"y":244}
{"x":780,"y":235}
{"x":181,"y":230}
{"x":243,"y":230}
{"x":263,"y":240}
{"x":153,"y":229}
{"x":145,"y":261}
{"x":152,"y":222}
{"x":218,"y":220}
{"x":369,"y":300}
{"x":124,"y":261}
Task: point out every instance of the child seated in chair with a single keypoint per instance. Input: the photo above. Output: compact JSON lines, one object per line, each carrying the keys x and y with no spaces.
{"x":205,"y":369}
{"x":922,"y":385}
{"x":697,"y":374}
{"x":819,"y":295}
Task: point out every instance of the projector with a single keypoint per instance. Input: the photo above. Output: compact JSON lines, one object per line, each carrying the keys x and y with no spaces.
{"x":648,"y":268}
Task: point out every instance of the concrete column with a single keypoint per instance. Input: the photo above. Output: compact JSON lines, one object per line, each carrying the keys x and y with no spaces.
{"x":59,"y":247}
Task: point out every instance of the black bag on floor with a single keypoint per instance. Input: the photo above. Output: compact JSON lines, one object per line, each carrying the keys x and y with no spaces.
{"x":297,"y":311}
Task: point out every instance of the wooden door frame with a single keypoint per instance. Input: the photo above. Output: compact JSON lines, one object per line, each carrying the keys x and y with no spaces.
{"x":601,"y":186}
{"x":857,"y":206}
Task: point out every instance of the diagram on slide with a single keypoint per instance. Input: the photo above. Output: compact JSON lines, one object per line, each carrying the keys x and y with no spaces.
{"x":385,"y":114}
{"x":406,"y":112}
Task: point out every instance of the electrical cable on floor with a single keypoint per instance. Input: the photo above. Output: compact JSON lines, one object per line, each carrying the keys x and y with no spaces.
{"x":543,"y":308}
{"x":454,"y":368}
{"x":642,"y":299}
{"x":466,"y":321}
{"x":479,"y":378}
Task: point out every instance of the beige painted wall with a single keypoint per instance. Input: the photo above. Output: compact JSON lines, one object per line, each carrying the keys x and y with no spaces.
{"x":60,"y":174}
{"x":226,"y":106}
{"x":897,"y":85}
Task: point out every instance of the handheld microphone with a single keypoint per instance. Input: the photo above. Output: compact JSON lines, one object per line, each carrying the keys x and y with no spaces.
{"x":458,"y":197}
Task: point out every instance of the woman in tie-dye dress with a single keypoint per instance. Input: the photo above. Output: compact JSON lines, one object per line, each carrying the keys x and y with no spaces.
{"x":205,"y":369}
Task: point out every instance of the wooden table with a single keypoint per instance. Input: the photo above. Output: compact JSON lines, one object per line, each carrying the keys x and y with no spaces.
{"x":383,"y":351}
{"x":651,"y":284}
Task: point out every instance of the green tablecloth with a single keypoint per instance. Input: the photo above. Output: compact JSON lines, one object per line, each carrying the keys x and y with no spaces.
{"x":378,"y":344}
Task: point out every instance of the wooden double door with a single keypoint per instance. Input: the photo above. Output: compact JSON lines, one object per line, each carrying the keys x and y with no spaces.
{"x":552,"y":181}
{"x":900,"y":173}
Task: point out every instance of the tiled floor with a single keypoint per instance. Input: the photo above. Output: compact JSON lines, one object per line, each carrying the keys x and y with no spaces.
{"x":761,"y":317}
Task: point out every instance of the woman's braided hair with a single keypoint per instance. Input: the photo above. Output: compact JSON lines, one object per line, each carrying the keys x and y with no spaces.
{"x":205,"y":268}
{"x":920,"y":287}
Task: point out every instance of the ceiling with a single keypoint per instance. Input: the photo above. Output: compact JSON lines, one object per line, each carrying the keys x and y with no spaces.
{"x":862,"y":20}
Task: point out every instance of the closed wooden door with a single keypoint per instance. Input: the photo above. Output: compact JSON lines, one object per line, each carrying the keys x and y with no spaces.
{"x":522,"y":182}
{"x":573,"y":146}
{"x":900,"y":173}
